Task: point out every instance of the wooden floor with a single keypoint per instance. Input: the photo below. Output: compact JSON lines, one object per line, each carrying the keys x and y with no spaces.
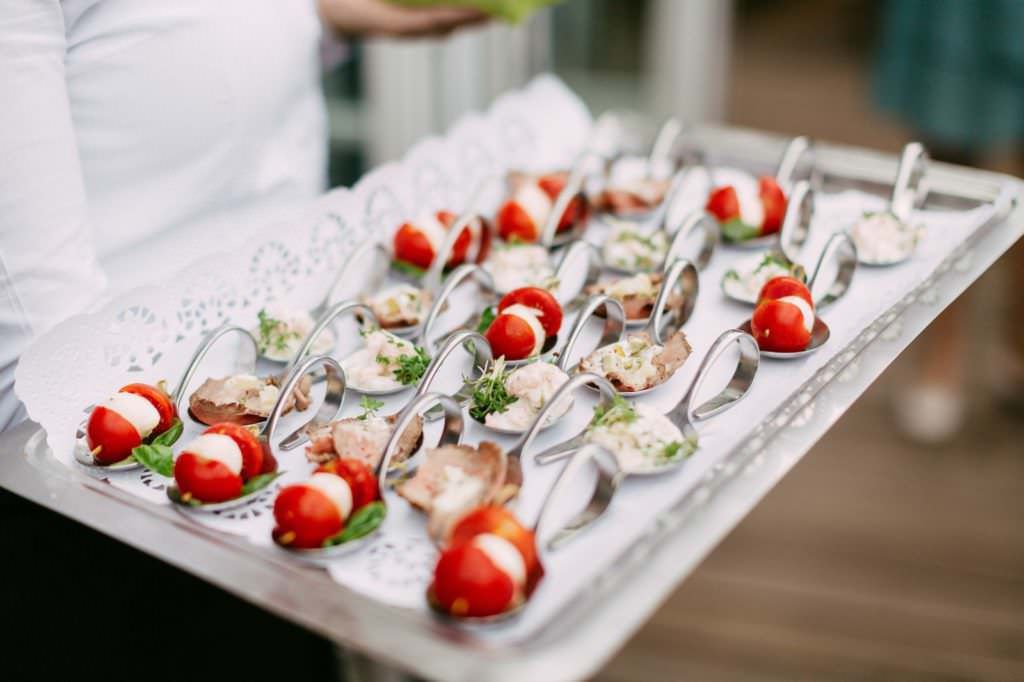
{"x":874,"y":559}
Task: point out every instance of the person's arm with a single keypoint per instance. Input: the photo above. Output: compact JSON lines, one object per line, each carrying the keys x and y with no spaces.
{"x":48,"y":265}
{"x":380,"y":18}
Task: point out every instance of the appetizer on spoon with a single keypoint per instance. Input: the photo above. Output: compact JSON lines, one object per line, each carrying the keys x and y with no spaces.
{"x":784,"y":322}
{"x":888,"y":237}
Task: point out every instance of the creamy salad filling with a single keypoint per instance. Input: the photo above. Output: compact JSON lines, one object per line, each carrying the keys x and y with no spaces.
{"x":402,"y":305}
{"x":632,"y":359}
{"x":642,"y":438}
{"x":883,"y":238}
{"x":511,"y":400}
{"x":526,"y":265}
{"x":641,"y":285}
{"x":745,"y":281}
{"x":282,"y":330}
{"x":628,"y":249}
{"x":387,"y":363}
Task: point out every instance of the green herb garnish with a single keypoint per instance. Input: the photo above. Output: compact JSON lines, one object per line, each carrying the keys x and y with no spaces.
{"x":274,"y":333}
{"x":411,"y":367}
{"x":360,"y":524}
{"x":260,"y":482}
{"x":619,"y":411}
{"x":370,"y":406}
{"x":486,"y":318}
{"x":489,"y":393}
{"x":408,"y":269}
{"x":156,"y":458}
{"x":736,"y":230}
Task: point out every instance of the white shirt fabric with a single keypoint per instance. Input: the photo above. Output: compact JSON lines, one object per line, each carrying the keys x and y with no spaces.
{"x":124,"y":124}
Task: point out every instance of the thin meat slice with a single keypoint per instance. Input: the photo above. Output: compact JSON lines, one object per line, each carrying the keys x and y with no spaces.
{"x":243,"y":399}
{"x":640,"y":196}
{"x":673,"y":354}
{"x":363,"y":438}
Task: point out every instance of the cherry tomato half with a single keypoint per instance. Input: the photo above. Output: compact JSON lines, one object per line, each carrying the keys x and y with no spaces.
{"x":468,"y":583}
{"x":359,"y":477}
{"x":254,"y":462}
{"x":779,"y":326}
{"x":412,"y":246}
{"x":110,"y":436}
{"x":159,"y":400}
{"x":514,"y":223}
{"x":503,"y":523}
{"x":207,"y":480}
{"x":305,"y":517}
{"x":774,"y":201}
{"x":724,"y":203}
{"x":461,"y":247}
{"x":778,"y":287}
{"x":540,"y":300}
{"x":510,"y":336}
{"x":552,"y":185}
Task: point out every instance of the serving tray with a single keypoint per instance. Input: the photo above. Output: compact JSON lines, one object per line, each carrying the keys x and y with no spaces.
{"x":613,"y":575}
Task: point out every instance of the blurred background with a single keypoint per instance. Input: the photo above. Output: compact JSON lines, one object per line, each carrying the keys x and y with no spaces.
{"x":894,"y":550}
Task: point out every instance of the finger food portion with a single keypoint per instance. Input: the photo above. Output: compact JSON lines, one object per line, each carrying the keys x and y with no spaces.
{"x":631,"y":249}
{"x":632,"y":188}
{"x":523,"y":215}
{"x":746,"y":212}
{"x":489,"y":566}
{"x":637,"y":363}
{"x":784,"y":317}
{"x":520,"y":265}
{"x":387,"y":363}
{"x":509,"y":400}
{"x":364,"y":437}
{"x":637,"y":293}
{"x":883,"y":239}
{"x":456,"y":478}
{"x":527,"y":320}
{"x":224,"y":463}
{"x":282,"y":330}
{"x":416,"y":243}
{"x":642,"y":438}
{"x":243,"y":399}
{"x":339,"y":503}
{"x":400,"y":306}
{"x":745,"y":281}
{"x":137,"y":415}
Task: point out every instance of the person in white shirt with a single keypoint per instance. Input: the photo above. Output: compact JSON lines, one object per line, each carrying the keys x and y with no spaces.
{"x":125,"y":121}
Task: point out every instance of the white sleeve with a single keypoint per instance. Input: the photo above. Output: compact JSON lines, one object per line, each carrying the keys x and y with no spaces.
{"x":48,"y":264}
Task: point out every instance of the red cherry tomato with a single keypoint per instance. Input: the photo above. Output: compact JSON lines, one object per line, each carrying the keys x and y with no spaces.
{"x":503,"y":523}
{"x":467,"y":583}
{"x":540,"y":300}
{"x":112,"y":434}
{"x":510,"y":336}
{"x":779,"y":326}
{"x":461,"y":247}
{"x":724,"y":204}
{"x":779,"y":287}
{"x":253,"y":456}
{"x":412,"y":246}
{"x":485,"y":240}
{"x":159,"y":400}
{"x":774,"y":201}
{"x":305,"y":517}
{"x":359,"y":477}
{"x":514,"y":223}
{"x":207,"y":480}
{"x":552,"y":185}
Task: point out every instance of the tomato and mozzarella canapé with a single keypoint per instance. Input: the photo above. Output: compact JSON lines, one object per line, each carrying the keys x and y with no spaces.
{"x":526,"y":318}
{"x":746,"y":211}
{"x":416,"y":243}
{"x":784,"y":317}
{"x":524,"y":215}
{"x":215,"y":465}
{"x":127,"y":419}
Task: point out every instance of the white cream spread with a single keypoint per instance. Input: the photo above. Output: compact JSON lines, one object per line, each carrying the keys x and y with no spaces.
{"x":643,"y":442}
{"x":882,"y":238}
{"x":628,"y":249}
{"x":373,"y":368}
{"x":283,"y":330}
{"x":533,"y":385}
{"x":518,"y":266}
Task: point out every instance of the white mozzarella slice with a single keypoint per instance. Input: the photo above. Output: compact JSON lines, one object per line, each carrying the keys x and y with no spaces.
{"x":536,"y":202}
{"x":529,"y":316}
{"x":751,"y":207}
{"x":504,"y":555}
{"x":805,"y":310}
{"x":432,"y":229}
{"x":336,"y":489}
{"x":139,"y":412}
{"x":218,"y":447}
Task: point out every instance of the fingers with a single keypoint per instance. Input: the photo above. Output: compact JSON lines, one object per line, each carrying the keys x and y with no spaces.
{"x":372,"y":18}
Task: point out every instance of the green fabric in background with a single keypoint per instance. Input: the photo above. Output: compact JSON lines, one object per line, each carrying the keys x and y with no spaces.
{"x":509,"y":10}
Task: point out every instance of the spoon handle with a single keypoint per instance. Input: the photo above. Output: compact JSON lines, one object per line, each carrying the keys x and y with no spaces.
{"x":711,"y":233}
{"x":451,"y":433}
{"x":482,"y":357}
{"x":455,"y":278}
{"x":797,"y":148}
{"x":570,"y":256}
{"x":368,"y":249}
{"x":796,"y":224}
{"x":329,"y":409}
{"x":738,"y":386}
{"x":573,"y":186}
{"x":246,"y":365}
{"x":841,"y":248}
{"x":333,"y":313}
{"x":681,"y":279}
{"x":910,"y":188}
{"x":614,"y":326}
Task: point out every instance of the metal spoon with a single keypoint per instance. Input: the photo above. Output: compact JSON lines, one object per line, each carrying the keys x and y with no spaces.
{"x":328,"y":410}
{"x":820,"y":333}
{"x":451,"y":434}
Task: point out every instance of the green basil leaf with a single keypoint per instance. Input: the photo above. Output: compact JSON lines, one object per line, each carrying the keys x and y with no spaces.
{"x":736,"y":230}
{"x":486,"y":318}
{"x":171,"y":435}
{"x":408,"y":269}
{"x":360,"y":524}
{"x":156,"y":457}
{"x":259,"y":482}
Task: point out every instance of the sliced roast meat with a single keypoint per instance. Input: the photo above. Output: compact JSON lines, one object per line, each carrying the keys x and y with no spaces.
{"x":640,"y":196}
{"x":637,"y":306}
{"x":673,"y":354}
{"x":243,"y":399}
{"x":364,"y":439}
